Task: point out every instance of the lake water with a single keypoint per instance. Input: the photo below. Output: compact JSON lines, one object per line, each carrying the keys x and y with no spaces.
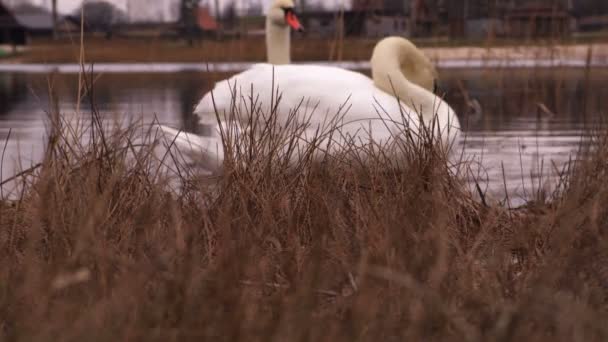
{"x":529,"y":117}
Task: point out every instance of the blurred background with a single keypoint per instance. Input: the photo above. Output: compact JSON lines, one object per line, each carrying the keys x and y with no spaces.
{"x":528,"y":79}
{"x":24,"y":21}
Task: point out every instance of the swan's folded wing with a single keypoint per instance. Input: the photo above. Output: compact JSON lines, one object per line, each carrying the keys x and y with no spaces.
{"x":207,"y":151}
{"x":235,"y":94}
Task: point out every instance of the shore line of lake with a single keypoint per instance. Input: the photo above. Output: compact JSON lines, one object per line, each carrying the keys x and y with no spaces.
{"x":302,"y":50}
{"x":497,"y":63}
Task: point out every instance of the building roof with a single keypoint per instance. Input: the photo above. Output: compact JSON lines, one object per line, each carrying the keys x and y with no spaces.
{"x":35,"y":21}
{"x":33,"y":17}
{"x":27,"y":16}
{"x":6,"y":17}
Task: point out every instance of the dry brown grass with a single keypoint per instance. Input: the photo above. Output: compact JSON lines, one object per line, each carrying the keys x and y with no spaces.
{"x":253,"y":49}
{"x":100,"y":246}
{"x":160,"y":50}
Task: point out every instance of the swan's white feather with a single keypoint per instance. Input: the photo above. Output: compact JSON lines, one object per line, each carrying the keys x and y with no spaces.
{"x":317,"y":94}
{"x":208,"y":152}
{"x":323,"y":97}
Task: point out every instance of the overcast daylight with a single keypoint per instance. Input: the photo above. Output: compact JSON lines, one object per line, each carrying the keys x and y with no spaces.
{"x":304,"y":170}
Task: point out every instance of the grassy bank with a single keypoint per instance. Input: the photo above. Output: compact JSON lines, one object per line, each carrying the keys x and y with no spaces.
{"x":303,"y":49}
{"x":99,"y":245}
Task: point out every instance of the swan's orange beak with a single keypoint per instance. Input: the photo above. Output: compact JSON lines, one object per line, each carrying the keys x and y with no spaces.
{"x":292,"y":20}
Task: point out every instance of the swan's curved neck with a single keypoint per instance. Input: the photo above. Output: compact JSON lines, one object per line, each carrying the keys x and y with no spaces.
{"x":393,"y":62}
{"x":277,"y":43}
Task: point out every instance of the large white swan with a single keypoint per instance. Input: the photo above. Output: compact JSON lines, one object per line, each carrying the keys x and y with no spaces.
{"x":368,"y":109}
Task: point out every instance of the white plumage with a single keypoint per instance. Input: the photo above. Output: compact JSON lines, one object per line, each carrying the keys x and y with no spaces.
{"x":325,"y":97}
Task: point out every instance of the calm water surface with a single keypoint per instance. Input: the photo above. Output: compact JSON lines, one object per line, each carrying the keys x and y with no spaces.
{"x":530,"y":117}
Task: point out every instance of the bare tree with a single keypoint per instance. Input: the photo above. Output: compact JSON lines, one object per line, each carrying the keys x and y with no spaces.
{"x":54,"y":9}
{"x":218,"y":32}
{"x":101,"y":16}
{"x":229,"y":18}
{"x":188,"y":19}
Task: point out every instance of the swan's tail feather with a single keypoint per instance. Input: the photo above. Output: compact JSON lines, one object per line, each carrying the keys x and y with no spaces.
{"x":207,"y":151}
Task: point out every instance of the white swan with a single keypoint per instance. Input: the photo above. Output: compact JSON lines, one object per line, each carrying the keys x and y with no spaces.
{"x":366,"y":107}
{"x":279,"y":19}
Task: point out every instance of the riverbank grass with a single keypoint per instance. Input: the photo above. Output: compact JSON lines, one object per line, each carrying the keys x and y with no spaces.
{"x":109,"y":239}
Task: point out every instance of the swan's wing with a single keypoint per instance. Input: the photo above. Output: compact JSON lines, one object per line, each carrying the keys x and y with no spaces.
{"x":234,"y":90}
{"x":264,"y":85}
{"x":350,"y":100}
{"x":321,"y":96}
{"x":207,"y":151}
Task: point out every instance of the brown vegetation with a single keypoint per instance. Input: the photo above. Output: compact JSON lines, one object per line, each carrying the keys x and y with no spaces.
{"x":303,"y":49}
{"x":100,"y":246}
{"x":160,"y":50}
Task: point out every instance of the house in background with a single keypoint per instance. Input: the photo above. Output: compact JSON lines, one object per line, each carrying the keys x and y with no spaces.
{"x":252,"y":25}
{"x":592,"y":23}
{"x":151,"y":11}
{"x":11,"y":31}
{"x":474,"y":19}
{"x":482,"y":28}
{"x":426,"y":17}
{"x":377,"y":26}
{"x":590,"y":15}
{"x":480,"y":19}
{"x":320,"y":24}
{"x":414,"y":18}
{"x":38,"y":21}
{"x":537,"y":21}
{"x":352,"y":23}
{"x":367,"y":18}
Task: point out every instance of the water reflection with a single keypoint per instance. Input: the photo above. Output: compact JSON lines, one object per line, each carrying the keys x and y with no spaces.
{"x":524,"y":115}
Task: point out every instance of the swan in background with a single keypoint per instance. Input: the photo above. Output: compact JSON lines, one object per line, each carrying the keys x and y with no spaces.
{"x":279,"y":19}
{"x":367,"y":109}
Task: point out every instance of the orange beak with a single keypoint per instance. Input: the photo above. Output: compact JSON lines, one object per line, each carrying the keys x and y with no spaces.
{"x":292,"y":20}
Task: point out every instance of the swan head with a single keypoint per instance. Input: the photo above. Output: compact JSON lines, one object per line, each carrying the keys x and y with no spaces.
{"x":401,"y":69}
{"x":282,"y":14}
{"x":418,"y":69}
{"x":399,"y":53}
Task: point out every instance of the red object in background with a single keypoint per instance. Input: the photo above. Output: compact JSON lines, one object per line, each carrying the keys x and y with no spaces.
{"x":205,"y":20}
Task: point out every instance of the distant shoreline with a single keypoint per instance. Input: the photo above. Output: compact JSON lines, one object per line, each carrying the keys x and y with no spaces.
{"x":42,"y":55}
{"x":72,"y":68}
